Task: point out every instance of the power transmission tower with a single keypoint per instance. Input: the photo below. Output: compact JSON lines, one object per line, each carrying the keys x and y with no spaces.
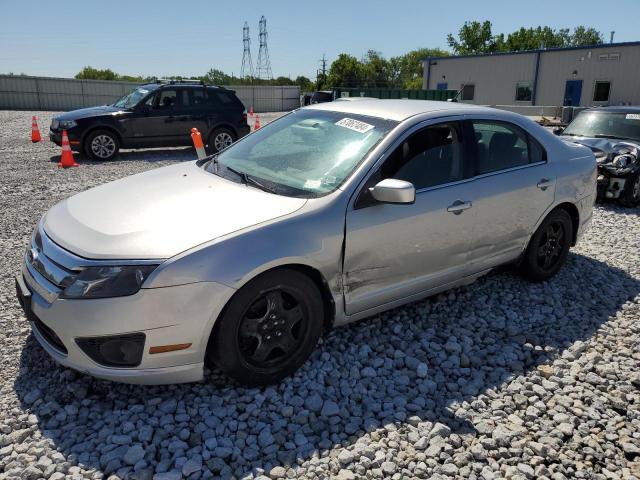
{"x":263,"y":69}
{"x":247,"y":63}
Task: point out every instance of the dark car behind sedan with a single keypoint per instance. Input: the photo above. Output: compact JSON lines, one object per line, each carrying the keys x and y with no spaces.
{"x":155,"y":115}
{"x":613,"y":134}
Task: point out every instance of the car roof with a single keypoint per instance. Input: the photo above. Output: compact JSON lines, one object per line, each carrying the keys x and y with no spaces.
{"x":399,"y":110}
{"x":617,"y":109}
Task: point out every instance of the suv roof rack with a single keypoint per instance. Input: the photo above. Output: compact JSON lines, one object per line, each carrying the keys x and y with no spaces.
{"x":167,"y":81}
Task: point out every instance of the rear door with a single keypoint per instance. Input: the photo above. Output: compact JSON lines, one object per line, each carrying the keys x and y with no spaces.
{"x":513,"y":186}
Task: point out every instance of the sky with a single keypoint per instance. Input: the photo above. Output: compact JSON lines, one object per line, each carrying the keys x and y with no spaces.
{"x":164,"y":38}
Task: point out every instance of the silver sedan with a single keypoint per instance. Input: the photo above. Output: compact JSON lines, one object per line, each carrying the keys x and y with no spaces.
{"x":330,"y":214}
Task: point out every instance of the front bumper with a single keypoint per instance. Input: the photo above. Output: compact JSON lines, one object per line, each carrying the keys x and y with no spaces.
{"x":56,"y":137}
{"x":181,"y":314}
{"x":612,"y":181}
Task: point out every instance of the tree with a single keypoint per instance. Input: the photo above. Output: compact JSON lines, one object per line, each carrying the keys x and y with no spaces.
{"x":305,"y":84}
{"x":90,"y":73}
{"x":476,"y":37}
{"x":473,"y":37}
{"x":406,"y":71}
{"x":585,"y":36}
{"x":345,"y":71}
{"x":375,"y":70}
{"x":216,"y":77}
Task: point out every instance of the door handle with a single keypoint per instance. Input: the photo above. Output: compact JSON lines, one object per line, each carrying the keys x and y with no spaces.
{"x":458,"y":207}
{"x":544,"y":184}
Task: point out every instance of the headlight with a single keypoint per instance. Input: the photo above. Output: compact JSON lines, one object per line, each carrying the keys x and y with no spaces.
{"x":107,"y":281}
{"x":66,"y":124}
{"x":621,"y":161}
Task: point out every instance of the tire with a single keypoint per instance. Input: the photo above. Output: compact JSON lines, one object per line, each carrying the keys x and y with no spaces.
{"x":548,"y":248}
{"x":630,"y":196}
{"x":102,"y":145}
{"x":220,"y":139}
{"x":268,"y":329}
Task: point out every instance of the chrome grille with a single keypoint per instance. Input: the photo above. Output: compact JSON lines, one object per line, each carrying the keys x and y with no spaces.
{"x":38,"y":258}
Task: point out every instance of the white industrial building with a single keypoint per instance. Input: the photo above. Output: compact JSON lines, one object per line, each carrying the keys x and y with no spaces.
{"x":607,"y":74}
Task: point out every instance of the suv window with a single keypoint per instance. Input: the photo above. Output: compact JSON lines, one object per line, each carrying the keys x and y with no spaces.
{"x":501,"y":145}
{"x":195,"y":99}
{"x":221,"y":97}
{"x":166,"y":99}
{"x":432,"y":156}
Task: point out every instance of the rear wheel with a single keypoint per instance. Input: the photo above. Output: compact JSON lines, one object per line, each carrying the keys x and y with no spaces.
{"x":548,"y":247}
{"x":630,"y":196}
{"x":220,"y":139}
{"x":268,"y":329}
{"x":102,"y":145}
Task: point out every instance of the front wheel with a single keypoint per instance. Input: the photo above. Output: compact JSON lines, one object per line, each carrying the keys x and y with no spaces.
{"x":220,"y":139}
{"x":268,"y":329}
{"x":548,"y":247}
{"x":102,"y":145}
{"x":630,"y":196}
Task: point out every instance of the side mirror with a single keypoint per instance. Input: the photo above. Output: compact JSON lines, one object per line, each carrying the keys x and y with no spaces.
{"x":558,"y":131}
{"x":391,"y":190}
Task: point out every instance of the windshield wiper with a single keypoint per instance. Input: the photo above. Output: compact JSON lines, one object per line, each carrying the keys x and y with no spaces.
{"x":248,"y":179}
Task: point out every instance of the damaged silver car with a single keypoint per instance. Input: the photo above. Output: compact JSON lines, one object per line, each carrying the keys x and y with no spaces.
{"x":613,"y":134}
{"x":330,"y":214}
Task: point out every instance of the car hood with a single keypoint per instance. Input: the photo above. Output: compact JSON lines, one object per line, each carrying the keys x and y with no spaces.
{"x":608,"y":146}
{"x":87,"y":112}
{"x":160,"y":213}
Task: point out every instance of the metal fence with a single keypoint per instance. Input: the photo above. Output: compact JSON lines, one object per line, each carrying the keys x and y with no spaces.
{"x":49,"y":93}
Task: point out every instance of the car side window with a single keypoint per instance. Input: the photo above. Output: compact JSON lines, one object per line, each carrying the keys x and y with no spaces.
{"x":430,"y":157}
{"x":195,"y":99}
{"x":167,"y":99}
{"x":501,"y":145}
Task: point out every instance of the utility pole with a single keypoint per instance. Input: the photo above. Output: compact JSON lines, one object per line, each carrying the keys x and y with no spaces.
{"x":323,"y":62}
{"x":613,"y":32}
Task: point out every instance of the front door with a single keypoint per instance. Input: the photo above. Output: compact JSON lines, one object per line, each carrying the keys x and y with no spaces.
{"x":572,"y":93}
{"x":159,"y":126}
{"x":395,"y":251}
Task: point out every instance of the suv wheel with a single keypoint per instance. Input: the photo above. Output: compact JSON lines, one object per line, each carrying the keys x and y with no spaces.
{"x":548,"y":247}
{"x":220,"y":139}
{"x":630,"y":196}
{"x":102,"y":145}
{"x":268,"y":329}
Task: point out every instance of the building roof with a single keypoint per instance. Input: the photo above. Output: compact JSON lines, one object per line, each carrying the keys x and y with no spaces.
{"x":398,"y":110}
{"x":539,"y":50}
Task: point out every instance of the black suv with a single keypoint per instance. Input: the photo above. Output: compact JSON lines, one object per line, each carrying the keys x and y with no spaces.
{"x":158,"y":114}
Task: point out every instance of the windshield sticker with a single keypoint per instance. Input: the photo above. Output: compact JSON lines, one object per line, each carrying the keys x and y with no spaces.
{"x":633,"y":116}
{"x":312,"y":184}
{"x":356,"y":125}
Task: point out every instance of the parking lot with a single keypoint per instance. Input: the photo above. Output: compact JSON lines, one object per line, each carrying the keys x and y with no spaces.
{"x":499,"y":379}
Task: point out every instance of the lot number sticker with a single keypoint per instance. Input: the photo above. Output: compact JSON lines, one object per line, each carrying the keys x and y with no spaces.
{"x":633,"y":116}
{"x":356,"y":125}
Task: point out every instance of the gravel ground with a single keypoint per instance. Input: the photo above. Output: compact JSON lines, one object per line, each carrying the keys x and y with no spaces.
{"x":501,"y":379}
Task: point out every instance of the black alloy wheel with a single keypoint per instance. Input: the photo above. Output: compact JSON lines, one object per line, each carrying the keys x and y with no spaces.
{"x":268,"y":329}
{"x":548,"y":247}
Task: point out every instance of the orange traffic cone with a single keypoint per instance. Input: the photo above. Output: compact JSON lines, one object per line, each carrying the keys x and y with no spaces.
{"x":35,"y":133}
{"x":66,"y":159}
{"x":256,"y":125}
{"x":196,"y":138}
{"x":251,"y":111}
